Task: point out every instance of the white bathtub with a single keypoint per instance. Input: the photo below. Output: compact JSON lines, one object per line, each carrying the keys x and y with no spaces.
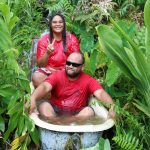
{"x":55,"y":137}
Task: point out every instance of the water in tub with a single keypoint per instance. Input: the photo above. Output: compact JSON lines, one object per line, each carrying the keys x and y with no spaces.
{"x":71,"y":120}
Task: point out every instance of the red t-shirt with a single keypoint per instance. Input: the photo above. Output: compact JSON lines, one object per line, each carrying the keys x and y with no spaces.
{"x":58,"y":57}
{"x":71,"y":95}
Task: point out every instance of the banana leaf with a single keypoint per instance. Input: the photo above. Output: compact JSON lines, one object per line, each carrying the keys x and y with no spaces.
{"x":147,"y":24}
{"x":131,"y":60}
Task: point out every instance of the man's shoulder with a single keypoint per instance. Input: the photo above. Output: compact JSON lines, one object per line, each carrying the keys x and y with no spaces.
{"x":56,"y":76}
{"x":86,"y":75}
{"x":92,"y":82}
{"x":87,"y":78}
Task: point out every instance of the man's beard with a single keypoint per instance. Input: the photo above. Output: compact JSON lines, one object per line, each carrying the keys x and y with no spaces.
{"x":73,"y":74}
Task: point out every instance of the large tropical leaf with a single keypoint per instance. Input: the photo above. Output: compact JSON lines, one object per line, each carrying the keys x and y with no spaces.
{"x":147,"y":24}
{"x":130,"y":59}
{"x":113,"y":46}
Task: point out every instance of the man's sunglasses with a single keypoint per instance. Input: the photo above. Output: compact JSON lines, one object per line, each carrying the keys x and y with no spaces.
{"x":68,"y":63}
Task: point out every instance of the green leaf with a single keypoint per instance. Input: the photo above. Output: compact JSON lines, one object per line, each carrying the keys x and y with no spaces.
{"x":2,"y":110}
{"x":13,"y":22}
{"x":79,"y":28}
{"x":18,"y":107}
{"x":24,"y":83}
{"x":7,"y":92}
{"x":142,"y":107}
{"x":115,"y":49}
{"x":131,"y":61}
{"x":141,"y":61}
{"x":101,"y":143}
{"x":5,"y":12}
{"x":147,"y":23}
{"x":13,"y":121}
{"x":17,"y":95}
{"x":21,"y":125}
{"x":93,"y":61}
{"x":35,"y":136}
{"x":24,"y":147}
{"x":2,"y":124}
{"x":107,"y":145}
{"x":29,"y":123}
{"x":113,"y":72}
{"x":12,"y":64}
{"x":113,"y":46}
{"x":87,"y":42}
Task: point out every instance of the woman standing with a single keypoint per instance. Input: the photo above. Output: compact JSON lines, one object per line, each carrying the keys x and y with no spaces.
{"x":53,"y":49}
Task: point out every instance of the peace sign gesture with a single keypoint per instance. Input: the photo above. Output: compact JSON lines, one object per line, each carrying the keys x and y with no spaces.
{"x":50,"y":46}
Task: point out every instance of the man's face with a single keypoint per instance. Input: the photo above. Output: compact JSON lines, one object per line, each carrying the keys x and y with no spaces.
{"x":73,"y":65}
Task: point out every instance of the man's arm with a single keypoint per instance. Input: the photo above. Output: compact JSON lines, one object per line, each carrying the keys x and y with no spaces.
{"x":103,"y":96}
{"x":39,"y":93}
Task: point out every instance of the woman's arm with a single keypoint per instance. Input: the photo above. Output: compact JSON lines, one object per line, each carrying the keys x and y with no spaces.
{"x":44,"y":59}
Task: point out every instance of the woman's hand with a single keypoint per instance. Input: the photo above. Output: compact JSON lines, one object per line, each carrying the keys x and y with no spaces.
{"x":50,"y":47}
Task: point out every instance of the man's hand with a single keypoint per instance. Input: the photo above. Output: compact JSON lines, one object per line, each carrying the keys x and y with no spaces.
{"x":50,"y":47}
{"x":111,"y":112}
{"x":32,"y":105}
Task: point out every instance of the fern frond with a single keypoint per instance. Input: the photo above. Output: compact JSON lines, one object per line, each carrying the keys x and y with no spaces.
{"x":128,"y":142}
{"x":95,"y":11}
{"x":58,"y":5}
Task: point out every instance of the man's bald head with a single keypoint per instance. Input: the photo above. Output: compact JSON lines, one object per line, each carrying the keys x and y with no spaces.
{"x":76,"y":57}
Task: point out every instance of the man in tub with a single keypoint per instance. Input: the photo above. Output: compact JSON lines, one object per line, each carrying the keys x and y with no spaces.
{"x":70,"y":90}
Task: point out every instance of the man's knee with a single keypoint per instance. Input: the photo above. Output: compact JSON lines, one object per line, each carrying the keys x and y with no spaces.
{"x":47,"y":115}
{"x":86,"y":112}
{"x":46,"y":110}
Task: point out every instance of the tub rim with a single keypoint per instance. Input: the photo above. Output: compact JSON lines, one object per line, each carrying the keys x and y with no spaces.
{"x":100,"y":111}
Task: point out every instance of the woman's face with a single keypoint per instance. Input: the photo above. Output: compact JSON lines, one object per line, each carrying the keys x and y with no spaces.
{"x":57,"y":24}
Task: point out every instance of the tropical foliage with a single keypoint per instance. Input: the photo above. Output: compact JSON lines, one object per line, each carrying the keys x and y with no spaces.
{"x":14,"y":84}
{"x":131,"y":59}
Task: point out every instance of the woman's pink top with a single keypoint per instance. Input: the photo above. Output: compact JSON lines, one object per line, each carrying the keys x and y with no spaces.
{"x":57,"y":58}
